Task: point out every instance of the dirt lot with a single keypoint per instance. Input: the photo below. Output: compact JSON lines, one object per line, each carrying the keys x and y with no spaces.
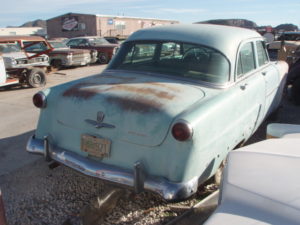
{"x":19,"y":117}
{"x":33,"y":194}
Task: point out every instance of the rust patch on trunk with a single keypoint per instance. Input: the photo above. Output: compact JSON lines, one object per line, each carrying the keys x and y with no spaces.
{"x":144,"y":91}
{"x":90,"y":89}
{"x":138,"y":104}
{"x":81,"y":90}
{"x":166,"y":86}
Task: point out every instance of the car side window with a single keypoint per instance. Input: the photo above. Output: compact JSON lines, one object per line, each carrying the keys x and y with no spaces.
{"x":74,"y":42}
{"x":170,"y":50}
{"x":246,"y":59}
{"x":32,"y":46}
{"x":83,"y":42}
{"x":141,"y":53}
{"x":261,"y":53}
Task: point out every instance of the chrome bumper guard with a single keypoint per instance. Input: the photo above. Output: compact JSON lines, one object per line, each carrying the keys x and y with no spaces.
{"x":136,"y":178}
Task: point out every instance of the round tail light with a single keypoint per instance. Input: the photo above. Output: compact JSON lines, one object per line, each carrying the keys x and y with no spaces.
{"x":182,"y":131}
{"x":39,"y":100}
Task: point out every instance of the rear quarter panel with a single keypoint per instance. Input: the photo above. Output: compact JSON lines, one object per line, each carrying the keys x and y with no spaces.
{"x":220,"y":124}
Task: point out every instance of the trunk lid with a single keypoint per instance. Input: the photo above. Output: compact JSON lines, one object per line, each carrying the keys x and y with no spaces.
{"x":137,"y":108}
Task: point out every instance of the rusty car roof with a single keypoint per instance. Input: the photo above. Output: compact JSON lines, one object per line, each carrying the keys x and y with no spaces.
{"x":225,"y":39}
{"x":86,"y":37}
{"x":23,"y":37}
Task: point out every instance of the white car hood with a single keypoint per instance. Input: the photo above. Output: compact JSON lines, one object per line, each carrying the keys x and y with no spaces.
{"x":16,"y":55}
{"x":19,"y":55}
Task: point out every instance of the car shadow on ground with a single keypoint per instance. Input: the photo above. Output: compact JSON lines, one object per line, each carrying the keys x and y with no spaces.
{"x":12,"y":153}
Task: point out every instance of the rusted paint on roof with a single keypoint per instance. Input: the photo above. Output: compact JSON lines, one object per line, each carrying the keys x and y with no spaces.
{"x":17,"y":38}
{"x":81,"y":91}
{"x":137,"y":104}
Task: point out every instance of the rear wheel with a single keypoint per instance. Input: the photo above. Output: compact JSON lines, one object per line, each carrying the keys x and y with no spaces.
{"x":296,"y":91}
{"x":36,"y":78}
{"x":102,"y":58}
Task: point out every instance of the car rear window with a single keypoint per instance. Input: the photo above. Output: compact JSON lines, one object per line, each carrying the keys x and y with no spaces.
{"x":98,"y":41}
{"x":58,"y":44}
{"x":173,"y":58}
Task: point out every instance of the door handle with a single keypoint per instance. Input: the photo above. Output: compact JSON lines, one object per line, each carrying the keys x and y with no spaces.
{"x":264,"y":73}
{"x":243,"y":87}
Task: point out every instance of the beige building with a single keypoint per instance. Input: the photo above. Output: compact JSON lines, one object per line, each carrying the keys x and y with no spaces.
{"x":74,"y":25}
{"x":22,"y":31}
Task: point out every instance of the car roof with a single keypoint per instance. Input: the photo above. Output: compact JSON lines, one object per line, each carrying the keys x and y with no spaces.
{"x":25,"y":38}
{"x":86,"y":37}
{"x":225,"y":39}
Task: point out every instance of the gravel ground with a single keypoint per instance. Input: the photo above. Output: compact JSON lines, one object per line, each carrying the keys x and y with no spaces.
{"x":35,"y":195}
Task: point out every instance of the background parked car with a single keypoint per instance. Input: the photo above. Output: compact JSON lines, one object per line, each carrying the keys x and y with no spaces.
{"x":105,"y":49}
{"x":112,"y":40}
{"x":27,"y":68}
{"x":63,"y":56}
{"x":287,"y":48}
{"x":165,"y":113}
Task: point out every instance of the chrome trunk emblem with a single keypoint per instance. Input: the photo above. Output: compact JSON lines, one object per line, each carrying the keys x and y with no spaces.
{"x":99,"y":123}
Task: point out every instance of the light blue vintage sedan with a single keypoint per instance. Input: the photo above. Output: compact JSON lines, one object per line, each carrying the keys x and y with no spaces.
{"x":167,"y":110}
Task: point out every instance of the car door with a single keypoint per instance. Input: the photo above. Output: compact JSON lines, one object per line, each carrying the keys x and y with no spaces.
{"x":250,"y":85}
{"x":270,"y":74}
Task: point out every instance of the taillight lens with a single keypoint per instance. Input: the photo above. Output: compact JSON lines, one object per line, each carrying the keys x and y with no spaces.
{"x":39,"y":100}
{"x":182,"y":131}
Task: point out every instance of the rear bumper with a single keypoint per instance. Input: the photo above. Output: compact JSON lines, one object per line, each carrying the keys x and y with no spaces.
{"x":76,"y":62}
{"x":136,"y":178}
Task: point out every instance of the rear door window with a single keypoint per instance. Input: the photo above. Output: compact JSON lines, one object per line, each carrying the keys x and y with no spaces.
{"x":261,"y":53}
{"x":246,"y":60}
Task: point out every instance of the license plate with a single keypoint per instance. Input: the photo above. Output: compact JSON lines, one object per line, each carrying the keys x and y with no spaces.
{"x":95,"y":146}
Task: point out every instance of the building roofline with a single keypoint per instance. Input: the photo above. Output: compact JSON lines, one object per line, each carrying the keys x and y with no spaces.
{"x":112,"y":16}
{"x":70,"y":13}
{"x":133,"y":17}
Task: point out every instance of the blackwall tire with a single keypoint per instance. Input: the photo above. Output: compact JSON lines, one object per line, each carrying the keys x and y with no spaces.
{"x":102,"y":58}
{"x":36,"y":78}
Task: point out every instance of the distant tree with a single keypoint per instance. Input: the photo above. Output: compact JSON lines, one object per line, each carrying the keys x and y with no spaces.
{"x":287,"y":27}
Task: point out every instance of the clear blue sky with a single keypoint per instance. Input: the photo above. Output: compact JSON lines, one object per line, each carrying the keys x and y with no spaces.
{"x":262,"y":12}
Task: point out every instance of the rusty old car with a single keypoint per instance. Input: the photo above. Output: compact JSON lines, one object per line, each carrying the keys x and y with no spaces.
{"x":105,"y":49}
{"x":22,"y":66}
{"x":167,"y":110}
{"x":63,"y":56}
